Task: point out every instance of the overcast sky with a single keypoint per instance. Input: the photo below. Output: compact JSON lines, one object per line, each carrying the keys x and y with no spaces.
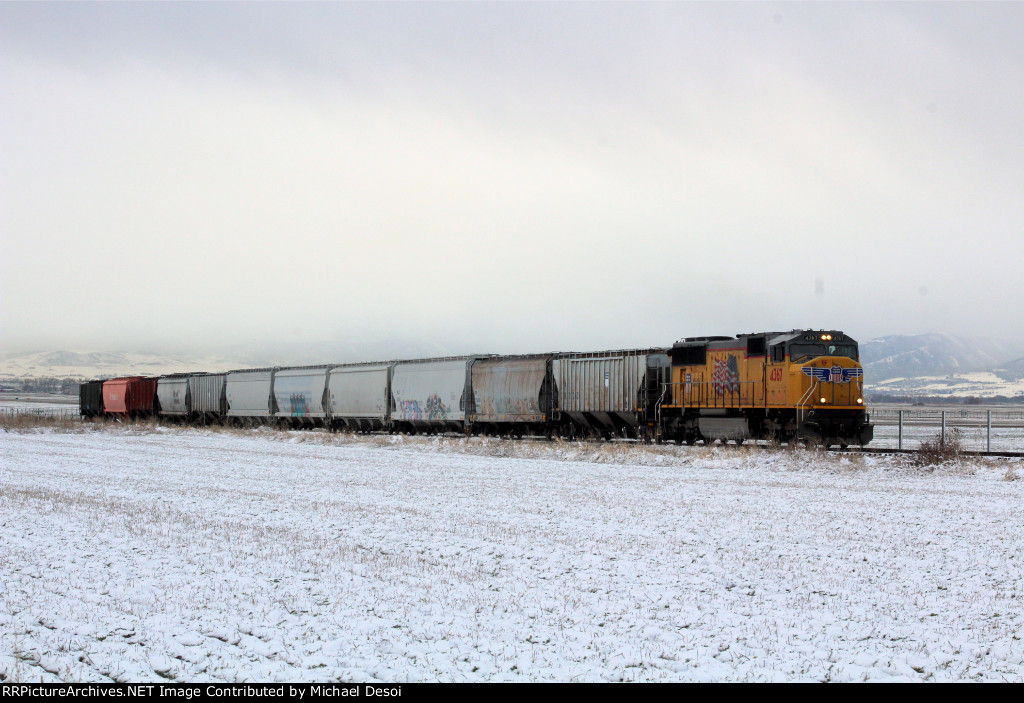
{"x":507,"y":177}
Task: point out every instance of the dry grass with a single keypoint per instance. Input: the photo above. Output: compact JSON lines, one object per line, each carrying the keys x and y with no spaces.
{"x":71,"y":424}
{"x":24,"y":422}
{"x":939,"y":450}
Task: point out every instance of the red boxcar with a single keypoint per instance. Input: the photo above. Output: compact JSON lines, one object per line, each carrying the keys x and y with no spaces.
{"x":129,"y":397}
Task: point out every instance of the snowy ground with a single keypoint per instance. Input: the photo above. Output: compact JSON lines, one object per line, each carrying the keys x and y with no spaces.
{"x":178,"y":554}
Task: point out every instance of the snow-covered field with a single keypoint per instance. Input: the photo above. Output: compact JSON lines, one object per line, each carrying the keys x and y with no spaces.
{"x":27,"y":401}
{"x":179,"y":554}
{"x":981,"y":384}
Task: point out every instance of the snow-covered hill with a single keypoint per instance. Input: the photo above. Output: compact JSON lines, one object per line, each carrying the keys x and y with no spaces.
{"x":942,"y":365}
{"x":71,"y":364}
{"x":979,"y":384}
{"x":93,"y":364}
{"x":935,"y":355}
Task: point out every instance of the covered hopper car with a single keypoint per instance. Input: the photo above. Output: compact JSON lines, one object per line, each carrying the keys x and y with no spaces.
{"x":90,"y":399}
{"x":130,"y":397}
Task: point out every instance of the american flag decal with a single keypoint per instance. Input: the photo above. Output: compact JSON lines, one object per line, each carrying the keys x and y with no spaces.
{"x":726,"y":376}
{"x":836,"y":374}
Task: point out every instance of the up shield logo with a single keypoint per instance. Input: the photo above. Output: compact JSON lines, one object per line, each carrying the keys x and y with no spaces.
{"x":836,"y":374}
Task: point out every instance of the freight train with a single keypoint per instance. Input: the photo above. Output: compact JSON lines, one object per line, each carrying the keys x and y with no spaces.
{"x":801,"y":385}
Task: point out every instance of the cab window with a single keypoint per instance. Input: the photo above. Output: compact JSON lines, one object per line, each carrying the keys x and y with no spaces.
{"x":849,"y":350}
{"x":803,"y":352}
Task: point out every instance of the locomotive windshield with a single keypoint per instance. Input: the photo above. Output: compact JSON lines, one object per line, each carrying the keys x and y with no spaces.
{"x":802,"y":352}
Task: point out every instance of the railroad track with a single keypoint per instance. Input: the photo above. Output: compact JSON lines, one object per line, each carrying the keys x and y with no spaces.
{"x":886,"y":450}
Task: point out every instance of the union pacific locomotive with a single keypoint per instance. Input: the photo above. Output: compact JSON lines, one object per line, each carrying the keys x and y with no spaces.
{"x":800,"y":385}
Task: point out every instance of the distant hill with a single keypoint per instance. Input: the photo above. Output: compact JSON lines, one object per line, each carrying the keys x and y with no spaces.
{"x":935,"y":355}
{"x":85,"y":364}
{"x":941,"y":366}
{"x":1011,"y":371}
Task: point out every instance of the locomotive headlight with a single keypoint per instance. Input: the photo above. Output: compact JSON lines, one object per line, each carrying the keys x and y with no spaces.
{"x":860,"y":401}
{"x":822,"y":400}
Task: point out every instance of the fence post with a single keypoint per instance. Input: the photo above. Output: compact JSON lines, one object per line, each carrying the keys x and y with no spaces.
{"x":900,"y":445}
{"x":942,"y":437}
{"x":988,"y":434}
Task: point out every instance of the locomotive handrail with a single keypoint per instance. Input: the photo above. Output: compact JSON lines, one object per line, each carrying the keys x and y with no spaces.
{"x":802,"y":403}
{"x":709,"y":394}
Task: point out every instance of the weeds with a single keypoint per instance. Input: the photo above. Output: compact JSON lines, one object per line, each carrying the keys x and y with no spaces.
{"x":22,"y":422}
{"x":941,"y":449}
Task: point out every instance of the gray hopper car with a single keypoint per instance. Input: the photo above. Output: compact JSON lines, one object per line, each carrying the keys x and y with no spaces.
{"x":512,"y":394}
{"x":173,"y":396}
{"x":359,"y":396}
{"x":209,"y":402}
{"x":610,"y":393}
{"x":299,"y":395}
{"x":250,"y":395}
{"x":432,"y":395}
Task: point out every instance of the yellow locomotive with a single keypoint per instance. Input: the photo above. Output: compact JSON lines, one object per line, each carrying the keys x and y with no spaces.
{"x":789,"y":386}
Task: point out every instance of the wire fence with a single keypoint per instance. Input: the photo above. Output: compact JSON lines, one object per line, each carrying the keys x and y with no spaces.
{"x":976,"y":429}
{"x":71,"y":411}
